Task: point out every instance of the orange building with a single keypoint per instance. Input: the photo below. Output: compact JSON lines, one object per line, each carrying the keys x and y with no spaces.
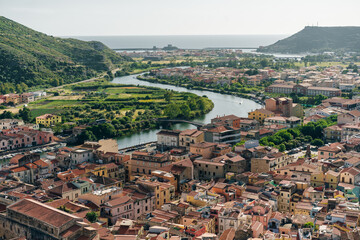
{"x":230,"y":192}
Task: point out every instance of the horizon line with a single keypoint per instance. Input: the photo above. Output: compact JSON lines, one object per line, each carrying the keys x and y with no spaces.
{"x":170,"y":35}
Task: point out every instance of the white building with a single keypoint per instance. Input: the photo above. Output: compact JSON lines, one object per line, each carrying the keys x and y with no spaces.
{"x":10,"y":123}
{"x":79,"y":156}
{"x":169,"y":138}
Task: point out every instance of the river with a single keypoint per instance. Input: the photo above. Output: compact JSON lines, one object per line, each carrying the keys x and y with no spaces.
{"x":223,"y":105}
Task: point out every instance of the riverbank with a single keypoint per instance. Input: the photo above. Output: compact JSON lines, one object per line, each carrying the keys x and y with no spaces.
{"x":224,"y":104}
{"x":111,"y":110}
{"x":242,"y":95}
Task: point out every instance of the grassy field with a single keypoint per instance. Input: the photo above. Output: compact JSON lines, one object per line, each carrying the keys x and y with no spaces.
{"x":101,"y":99}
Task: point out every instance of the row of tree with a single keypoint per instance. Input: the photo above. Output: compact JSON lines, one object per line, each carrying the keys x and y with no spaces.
{"x":291,"y":138}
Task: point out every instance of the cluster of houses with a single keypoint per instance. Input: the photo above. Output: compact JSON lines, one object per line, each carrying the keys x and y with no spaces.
{"x":194,"y":189}
{"x":329,"y":82}
{"x":21,"y":98}
{"x":15,"y":134}
{"x":219,"y":75}
{"x":194,"y":184}
{"x":307,"y":81}
{"x":157,"y":54}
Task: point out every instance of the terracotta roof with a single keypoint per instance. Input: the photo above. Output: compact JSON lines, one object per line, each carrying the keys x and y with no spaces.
{"x":169,"y":132}
{"x":118,"y":201}
{"x":218,"y":129}
{"x":16,"y":158}
{"x":31,"y":165}
{"x":331,"y":172}
{"x":264,"y":111}
{"x":70,"y":231}
{"x":57,"y":203}
{"x":228,"y":117}
{"x":42,"y":212}
{"x":352,"y":170}
{"x":19,"y":169}
{"x":355,"y":113}
{"x":203,"y":145}
{"x":41,"y":163}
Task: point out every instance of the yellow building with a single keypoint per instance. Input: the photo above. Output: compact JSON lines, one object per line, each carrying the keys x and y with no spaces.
{"x":48,"y":119}
{"x":332,"y":179}
{"x":317,"y":179}
{"x":164,"y":192}
{"x":260,"y":114}
{"x":110,"y":170}
{"x":295,"y":199}
{"x":190,"y":136}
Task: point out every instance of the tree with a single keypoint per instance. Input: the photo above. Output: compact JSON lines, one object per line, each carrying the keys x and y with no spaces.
{"x":317,"y":142}
{"x":168,"y":95}
{"x":282,"y":147}
{"x":92,"y":216}
{"x":25,"y":114}
{"x":309,"y":225}
{"x":86,"y":136}
{"x":185,"y":110}
{"x":172,"y":111}
{"x":6,"y":114}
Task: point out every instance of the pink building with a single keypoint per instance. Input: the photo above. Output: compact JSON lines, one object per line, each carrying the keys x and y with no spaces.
{"x":23,"y":137}
{"x":261,"y":212}
{"x":143,"y":203}
{"x":118,"y":207}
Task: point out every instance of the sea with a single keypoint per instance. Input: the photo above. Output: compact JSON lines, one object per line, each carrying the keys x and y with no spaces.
{"x":186,"y":41}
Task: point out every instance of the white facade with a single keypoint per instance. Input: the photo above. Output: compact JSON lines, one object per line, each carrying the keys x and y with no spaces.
{"x":10,"y":123}
{"x":231,"y":218}
{"x":81,"y":155}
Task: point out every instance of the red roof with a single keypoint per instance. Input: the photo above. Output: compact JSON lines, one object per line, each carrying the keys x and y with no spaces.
{"x":19,"y":169}
{"x":41,"y":163}
{"x":42,"y":212}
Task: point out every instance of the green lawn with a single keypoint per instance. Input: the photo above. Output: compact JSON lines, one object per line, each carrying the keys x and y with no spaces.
{"x":39,"y":112}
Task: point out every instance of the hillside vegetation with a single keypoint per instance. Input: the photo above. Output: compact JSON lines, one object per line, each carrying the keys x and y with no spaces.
{"x":317,"y":40}
{"x":30,"y":58}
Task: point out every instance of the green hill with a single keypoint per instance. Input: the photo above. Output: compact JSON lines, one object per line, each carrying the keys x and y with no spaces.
{"x":317,"y":40}
{"x":30,"y":58}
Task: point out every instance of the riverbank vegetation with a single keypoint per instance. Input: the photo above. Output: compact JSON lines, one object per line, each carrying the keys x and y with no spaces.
{"x":239,"y":88}
{"x":112,"y":110}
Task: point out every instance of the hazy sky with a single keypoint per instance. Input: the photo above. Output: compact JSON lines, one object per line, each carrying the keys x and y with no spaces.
{"x":178,"y":17}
